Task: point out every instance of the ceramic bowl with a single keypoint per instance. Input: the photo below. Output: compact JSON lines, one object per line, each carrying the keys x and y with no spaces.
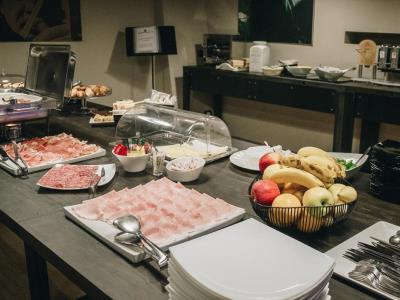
{"x":133,"y":164}
{"x":299,"y":71}
{"x":329,"y":73}
{"x":272,"y":71}
{"x":351,"y":156}
{"x":185,"y":175}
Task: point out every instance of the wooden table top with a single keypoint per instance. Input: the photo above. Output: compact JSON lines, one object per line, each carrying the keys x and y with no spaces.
{"x":36,"y":215}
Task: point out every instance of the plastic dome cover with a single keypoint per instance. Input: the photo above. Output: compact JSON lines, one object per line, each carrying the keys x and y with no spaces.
{"x":162,"y":126}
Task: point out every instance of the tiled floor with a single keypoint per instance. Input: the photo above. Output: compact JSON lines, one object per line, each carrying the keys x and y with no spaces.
{"x":13,"y":280}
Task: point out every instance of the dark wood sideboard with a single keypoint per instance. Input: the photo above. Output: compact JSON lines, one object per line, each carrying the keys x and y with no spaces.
{"x":373,"y":104}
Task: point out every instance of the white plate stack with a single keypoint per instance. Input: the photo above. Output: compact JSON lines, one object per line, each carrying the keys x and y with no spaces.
{"x":248,"y":260}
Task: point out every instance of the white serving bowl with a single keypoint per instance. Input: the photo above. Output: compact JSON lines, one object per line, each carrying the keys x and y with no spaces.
{"x":354,"y":157}
{"x":299,"y":71}
{"x":329,"y":73}
{"x":133,"y":164}
{"x":272,"y":71}
{"x":185,"y":175}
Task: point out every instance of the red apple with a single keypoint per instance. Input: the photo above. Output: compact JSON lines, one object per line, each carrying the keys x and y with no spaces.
{"x":265,"y":191}
{"x":268,"y":159}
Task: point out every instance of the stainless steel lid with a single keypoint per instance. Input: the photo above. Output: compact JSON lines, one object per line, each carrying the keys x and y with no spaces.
{"x":50,"y":70}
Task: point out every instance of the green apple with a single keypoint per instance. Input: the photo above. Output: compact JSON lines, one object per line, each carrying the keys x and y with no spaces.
{"x":318,"y":197}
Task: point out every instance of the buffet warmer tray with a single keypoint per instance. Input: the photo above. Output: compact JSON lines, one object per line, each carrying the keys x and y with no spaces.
{"x":11,"y":168}
{"x":49,"y":74}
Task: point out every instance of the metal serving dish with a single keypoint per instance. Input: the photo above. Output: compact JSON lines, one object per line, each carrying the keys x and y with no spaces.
{"x":48,"y":80}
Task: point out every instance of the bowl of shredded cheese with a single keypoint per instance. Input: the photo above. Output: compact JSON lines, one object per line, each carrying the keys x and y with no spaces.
{"x":185,"y":169}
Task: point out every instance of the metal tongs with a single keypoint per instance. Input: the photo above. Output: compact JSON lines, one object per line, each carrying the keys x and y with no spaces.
{"x":93,"y":187}
{"x":22,"y":170}
{"x":24,"y":167}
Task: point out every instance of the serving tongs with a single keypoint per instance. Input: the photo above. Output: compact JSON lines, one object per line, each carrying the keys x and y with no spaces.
{"x":22,"y":170}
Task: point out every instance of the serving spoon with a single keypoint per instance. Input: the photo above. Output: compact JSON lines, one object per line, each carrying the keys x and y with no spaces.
{"x":395,"y":239}
{"x":130,"y":224}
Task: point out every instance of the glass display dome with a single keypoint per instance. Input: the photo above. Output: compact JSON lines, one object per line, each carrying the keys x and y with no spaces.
{"x":177,"y":132}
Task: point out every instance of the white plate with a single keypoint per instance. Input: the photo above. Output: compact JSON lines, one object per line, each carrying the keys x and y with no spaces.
{"x":31,"y":98}
{"x":109,"y":169}
{"x":250,"y":260}
{"x":354,"y":157}
{"x":248,"y":159}
{"x":381,"y":230}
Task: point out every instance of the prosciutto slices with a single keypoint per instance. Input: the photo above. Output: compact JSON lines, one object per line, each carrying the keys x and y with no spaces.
{"x":167,"y":210}
{"x":51,"y":149}
{"x":70,"y":177}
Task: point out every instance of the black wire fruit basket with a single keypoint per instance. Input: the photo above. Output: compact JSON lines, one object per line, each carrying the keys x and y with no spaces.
{"x":305,"y":219}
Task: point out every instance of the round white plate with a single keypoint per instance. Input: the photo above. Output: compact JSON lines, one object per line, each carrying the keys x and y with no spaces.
{"x":248,"y":159}
{"x":109,"y":169}
{"x":31,"y":98}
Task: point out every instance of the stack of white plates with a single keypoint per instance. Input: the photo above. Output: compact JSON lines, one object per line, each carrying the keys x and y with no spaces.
{"x":248,"y":260}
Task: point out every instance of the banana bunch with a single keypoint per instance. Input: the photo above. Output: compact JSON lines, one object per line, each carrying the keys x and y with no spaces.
{"x":316,"y":162}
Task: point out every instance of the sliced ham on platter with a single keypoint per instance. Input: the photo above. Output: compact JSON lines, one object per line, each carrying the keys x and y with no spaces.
{"x":167,"y":210}
{"x":51,"y":149}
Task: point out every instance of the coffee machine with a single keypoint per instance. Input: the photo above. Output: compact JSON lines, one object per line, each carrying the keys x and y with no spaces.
{"x":389,"y":62}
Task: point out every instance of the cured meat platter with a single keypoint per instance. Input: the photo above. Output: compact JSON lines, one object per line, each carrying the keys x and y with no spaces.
{"x":52,"y":180}
{"x":11,"y":168}
{"x":176,"y":215}
{"x":43,"y":153}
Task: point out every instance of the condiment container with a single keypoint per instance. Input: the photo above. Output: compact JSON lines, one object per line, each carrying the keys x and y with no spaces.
{"x":259,"y":56}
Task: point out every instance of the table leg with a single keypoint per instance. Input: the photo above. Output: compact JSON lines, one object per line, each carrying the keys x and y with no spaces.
{"x":37,"y":274}
{"x":344,"y":122}
{"x":369,"y":134}
{"x":186,"y":90}
{"x":218,"y":105}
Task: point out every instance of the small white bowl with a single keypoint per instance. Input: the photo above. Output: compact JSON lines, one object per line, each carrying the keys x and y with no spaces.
{"x":185,"y":175}
{"x":351,"y":156}
{"x":272,"y":71}
{"x":133,"y":164}
{"x":299,"y":71}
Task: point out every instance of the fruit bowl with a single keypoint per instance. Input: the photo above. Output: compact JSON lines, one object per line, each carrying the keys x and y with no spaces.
{"x":305,"y":219}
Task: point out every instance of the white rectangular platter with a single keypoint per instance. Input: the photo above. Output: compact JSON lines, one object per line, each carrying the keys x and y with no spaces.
{"x":9,"y":167}
{"x":381,"y":230}
{"x":106,"y":232}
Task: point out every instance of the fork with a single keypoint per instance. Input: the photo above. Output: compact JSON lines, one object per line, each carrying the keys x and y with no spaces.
{"x":376,"y":274}
{"x":93,"y":187}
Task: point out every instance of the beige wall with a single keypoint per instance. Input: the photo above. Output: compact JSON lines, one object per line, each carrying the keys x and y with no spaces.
{"x":101,"y":54}
{"x":101,"y":58}
{"x":294,"y":127}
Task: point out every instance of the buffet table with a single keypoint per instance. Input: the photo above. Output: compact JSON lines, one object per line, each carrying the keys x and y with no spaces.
{"x":373,"y":104}
{"x":36,"y":216}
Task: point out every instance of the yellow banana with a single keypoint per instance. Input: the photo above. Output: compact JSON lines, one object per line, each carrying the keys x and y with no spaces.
{"x":271,"y":169}
{"x":296,"y":176}
{"x":320,"y":166}
{"x":310,"y":151}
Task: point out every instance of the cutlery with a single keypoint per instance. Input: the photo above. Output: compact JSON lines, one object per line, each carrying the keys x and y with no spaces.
{"x":133,"y":240}
{"x":131,"y":224}
{"x":130,"y":239}
{"x":24,"y":168}
{"x":376,"y":275}
{"x":395,"y":239}
{"x":93,"y":187}
{"x":365,"y":153}
{"x":6,"y":157}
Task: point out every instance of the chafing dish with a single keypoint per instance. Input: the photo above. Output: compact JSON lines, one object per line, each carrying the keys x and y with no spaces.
{"x":47,"y":81}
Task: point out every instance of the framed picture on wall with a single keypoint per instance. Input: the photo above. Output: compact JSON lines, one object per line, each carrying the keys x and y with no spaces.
{"x":40,"y":20}
{"x":277,"y":21}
